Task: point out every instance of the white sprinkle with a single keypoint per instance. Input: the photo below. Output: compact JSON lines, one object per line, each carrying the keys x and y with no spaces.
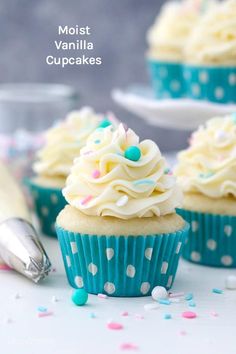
{"x":159,"y":292}
{"x":221,"y":136}
{"x":102,"y":296}
{"x":230,"y":282}
{"x":122,"y":201}
{"x":150,"y":306}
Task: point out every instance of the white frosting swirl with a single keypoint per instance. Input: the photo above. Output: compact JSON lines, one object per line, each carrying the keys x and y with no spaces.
{"x":64,"y":141}
{"x":213,"y":42}
{"x":168,"y":35}
{"x":105,"y":183}
{"x":208,"y":166}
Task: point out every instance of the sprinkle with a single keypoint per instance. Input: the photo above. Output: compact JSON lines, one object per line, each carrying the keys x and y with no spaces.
{"x":115,"y":326}
{"x":5,"y":267}
{"x":102,"y":296}
{"x":143,"y":181}
{"x":159,"y":292}
{"x":217,"y":291}
{"x":86,"y":199}
{"x":167,"y":171}
{"x":221,"y":136}
{"x":45,"y":314}
{"x":139,"y":316}
{"x":104,"y":123}
{"x":17,"y":296}
{"x":176,"y":294}
{"x":92,"y":315}
{"x":79,"y":297}
{"x":125,"y":313}
{"x":214,"y":314}
{"x":167,"y":316}
{"x":164,"y":302}
{"x":97,"y":141}
{"x":87,"y":153}
{"x":96,"y":174}
{"x":175,"y":300}
{"x":152,"y":306}
{"x":54,"y":299}
{"x":189,"y":314}
{"x":42,"y":309}
{"x":188,"y":297}
{"x":230,"y":282}
{"x":192,"y":303}
{"x":122,"y":201}
{"x":128,"y":346}
{"x":132,"y":153}
{"x":206,"y":175}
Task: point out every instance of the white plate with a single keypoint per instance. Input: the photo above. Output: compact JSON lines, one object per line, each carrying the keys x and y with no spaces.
{"x":182,"y":114}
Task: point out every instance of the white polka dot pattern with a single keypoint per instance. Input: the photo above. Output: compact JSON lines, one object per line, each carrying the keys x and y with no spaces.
{"x":130,"y":271}
{"x":211,"y":244}
{"x":79,"y":281}
{"x":109,"y":253}
{"x":227,"y":260}
{"x":178,"y":247}
{"x":164,"y":267}
{"x":194,"y":226}
{"x":219,"y":93}
{"x":195,"y":256}
{"x":73,"y":246}
{"x":54,"y":198}
{"x":93,"y":269}
{"x":145,"y":287}
{"x":232,"y":79}
{"x":228,"y":230}
{"x":148,"y":253}
{"x":44,"y":211}
{"x":109,"y":288}
{"x":68,"y":261}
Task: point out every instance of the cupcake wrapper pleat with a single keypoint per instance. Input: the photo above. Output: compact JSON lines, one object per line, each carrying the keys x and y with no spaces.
{"x":167,"y":79}
{"x":120,"y":265}
{"x":215,"y":84}
{"x":211,"y":240}
{"x":48,"y":202}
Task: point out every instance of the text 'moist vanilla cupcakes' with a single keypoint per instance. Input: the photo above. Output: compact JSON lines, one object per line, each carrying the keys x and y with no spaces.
{"x":206,"y":172}
{"x":119,"y":233}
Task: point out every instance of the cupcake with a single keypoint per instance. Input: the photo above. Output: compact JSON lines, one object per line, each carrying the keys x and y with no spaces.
{"x":119,"y":233}
{"x":166,"y":39}
{"x":210,"y":56}
{"x":207,"y":174}
{"x":62,"y":144}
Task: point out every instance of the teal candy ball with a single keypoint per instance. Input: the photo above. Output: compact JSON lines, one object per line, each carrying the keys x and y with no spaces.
{"x":104,"y":123}
{"x":79,"y":297}
{"x":133,"y":153}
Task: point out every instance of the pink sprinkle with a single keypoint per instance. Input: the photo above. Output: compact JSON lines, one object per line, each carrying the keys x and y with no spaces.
{"x":183,"y":333}
{"x":128,"y":346}
{"x":96,"y":174}
{"x":102,"y":296}
{"x":125,"y":313}
{"x":86,"y":199}
{"x":5,"y":267}
{"x":189,"y":314}
{"x":87,"y":152}
{"x":139,"y":317}
{"x":115,"y":326}
{"x":214,"y":314}
{"x":45,"y":314}
{"x":176,"y":294}
{"x":54,"y":270}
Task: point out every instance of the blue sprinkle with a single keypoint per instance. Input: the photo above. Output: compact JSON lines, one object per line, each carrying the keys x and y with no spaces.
{"x":189,"y":297}
{"x":92,"y":315}
{"x":217,"y":291}
{"x":167,"y":316}
{"x":42,"y":309}
{"x":164,"y":302}
{"x":97,"y":141}
{"x":192,"y":303}
{"x":143,"y":181}
{"x":206,"y":175}
{"x":166,"y":170}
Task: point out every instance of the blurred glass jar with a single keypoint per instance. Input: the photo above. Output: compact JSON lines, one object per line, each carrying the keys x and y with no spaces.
{"x":26,"y":111}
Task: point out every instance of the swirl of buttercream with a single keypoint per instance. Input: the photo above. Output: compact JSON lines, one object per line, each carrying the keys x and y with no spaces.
{"x":208,"y":166}
{"x":103,"y":182}
{"x":64,"y":141}
{"x":213,"y":42}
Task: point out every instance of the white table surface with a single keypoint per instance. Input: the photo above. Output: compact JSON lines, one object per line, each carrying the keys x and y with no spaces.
{"x":70,"y":330}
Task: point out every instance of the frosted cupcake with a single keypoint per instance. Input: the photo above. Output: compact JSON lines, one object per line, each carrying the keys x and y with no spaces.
{"x":62,"y":144}
{"x":166,"y":39}
{"x":207,"y":174}
{"x":120,"y":234}
{"x":210,"y":56}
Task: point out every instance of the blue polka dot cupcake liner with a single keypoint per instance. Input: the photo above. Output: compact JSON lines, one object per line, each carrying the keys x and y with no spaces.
{"x":215,"y":84}
{"x":48,"y":202}
{"x":121,"y":265}
{"x":167,"y":79}
{"x":211,"y":240}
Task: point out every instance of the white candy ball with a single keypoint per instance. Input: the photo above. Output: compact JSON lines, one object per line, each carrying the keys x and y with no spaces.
{"x":159,"y":292}
{"x":230,"y":282}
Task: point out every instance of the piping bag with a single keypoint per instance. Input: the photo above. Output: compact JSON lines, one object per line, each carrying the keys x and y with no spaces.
{"x":20,"y":247}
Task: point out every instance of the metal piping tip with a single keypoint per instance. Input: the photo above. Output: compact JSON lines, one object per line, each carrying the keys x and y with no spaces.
{"x":21,"y":249}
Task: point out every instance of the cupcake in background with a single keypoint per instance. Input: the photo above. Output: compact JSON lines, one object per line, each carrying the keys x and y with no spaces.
{"x":166,"y":39}
{"x":53,"y":163}
{"x":207,"y":174}
{"x":120,"y":234}
{"x":210,"y":56}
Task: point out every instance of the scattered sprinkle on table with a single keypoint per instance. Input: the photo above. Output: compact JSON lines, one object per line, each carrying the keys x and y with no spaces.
{"x":102,"y":296}
{"x":192,"y":303}
{"x":45,"y":314}
{"x":151,"y":306}
{"x":79,"y":297}
{"x":114,"y":326}
{"x":167,"y":316}
{"x":159,"y":292}
{"x":230,"y":282}
{"x":214,"y":314}
{"x":188,"y":296}
{"x":125,"y":313}
{"x":217,"y":291}
{"x":54,"y":299}
{"x":92,"y":315}
{"x":176,"y":294}
{"x":189,"y":315}
{"x":42,"y":309}
{"x":128,"y":346}
{"x":164,"y":302}
{"x":138,"y":316}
